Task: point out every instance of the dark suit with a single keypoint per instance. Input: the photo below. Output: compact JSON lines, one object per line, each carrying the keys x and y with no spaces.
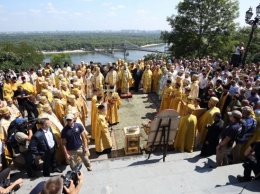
{"x":212,"y":138}
{"x":226,"y":104}
{"x":39,"y":147}
{"x":137,"y":75}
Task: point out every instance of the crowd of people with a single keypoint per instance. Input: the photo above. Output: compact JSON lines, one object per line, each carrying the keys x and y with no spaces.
{"x":219,"y":108}
{"x":218,"y":103}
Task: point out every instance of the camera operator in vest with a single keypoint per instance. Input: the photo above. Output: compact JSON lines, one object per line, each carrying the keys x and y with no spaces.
{"x":23,"y":135}
{"x":248,"y":128}
{"x":251,"y":163}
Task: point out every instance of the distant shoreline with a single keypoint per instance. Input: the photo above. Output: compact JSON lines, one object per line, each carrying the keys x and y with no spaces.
{"x":82,"y":51}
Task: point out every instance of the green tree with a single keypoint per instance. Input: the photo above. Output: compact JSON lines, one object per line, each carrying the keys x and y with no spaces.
{"x":157,"y":56}
{"x":60,"y":58}
{"x":19,"y":56}
{"x":202,"y":27}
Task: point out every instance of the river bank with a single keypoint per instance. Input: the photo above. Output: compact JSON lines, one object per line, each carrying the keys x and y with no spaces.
{"x":83,"y":51}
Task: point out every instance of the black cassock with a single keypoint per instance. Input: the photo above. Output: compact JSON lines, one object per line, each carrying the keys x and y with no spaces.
{"x":212,"y":138}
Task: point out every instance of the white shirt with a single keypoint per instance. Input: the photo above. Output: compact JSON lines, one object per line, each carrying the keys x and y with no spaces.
{"x":49,"y":138}
{"x":203,"y":82}
{"x":237,"y":52}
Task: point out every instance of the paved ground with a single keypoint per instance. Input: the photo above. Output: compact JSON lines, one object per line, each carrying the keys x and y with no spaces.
{"x":133,"y":112}
{"x":181,"y":173}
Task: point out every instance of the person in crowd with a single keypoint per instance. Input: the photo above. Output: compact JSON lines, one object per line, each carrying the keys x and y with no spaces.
{"x":103,"y":140}
{"x":15,"y":113}
{"x":207,"y":119}
{"x":89,"y":83}
{"x":147,"y":79}
{"x":44,"y":144}
{"x":236,"y":57}
{"x":156,"y":78}
{"x":74,"y":142}
{"x":176,"y":97}
{"x":7,"y":88}
{"x":228,"y":137}
{"x":194,"y":87}
{"x":7,"y":187}
{"x":218,"y":89}
{"x":185,"y":137}
{"x":166,"y":95}
{"x":111,"y":77}
{"x":137,"y":75}
{"x":55,"y":185}
{"x":2,"y":78}
{"x":251,"y":163}
{"x":234,"y":88}
{"x":21,"y":96}
{"x":23,"y":140}
{"x":113,"y":103}
{"x":248,"y":128}
{"x":254,"y":98}
{"x":212,"y":137}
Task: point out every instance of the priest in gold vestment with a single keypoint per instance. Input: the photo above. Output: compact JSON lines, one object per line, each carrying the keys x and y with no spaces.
{"x":113,"y":104}
{"x":176,"y":97}
{"x":156,"y":78}
{"x":207,"y":119}
{"x":124,"y":78}
{"x":166,"y":95}
{"x":186,"y":133}
{"x":103,"y":141}
{"x":147,"y":79}
{"x":98,"y":80}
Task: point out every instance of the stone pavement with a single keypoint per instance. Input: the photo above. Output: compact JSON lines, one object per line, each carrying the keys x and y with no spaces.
{"x":181,"y":173}
{"x":133,"y":112}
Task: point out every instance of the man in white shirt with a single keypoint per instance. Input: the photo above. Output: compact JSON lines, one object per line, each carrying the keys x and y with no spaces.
{"x":236,"y":58}
{"x":43,"y":144}
{"x":202,"y":83}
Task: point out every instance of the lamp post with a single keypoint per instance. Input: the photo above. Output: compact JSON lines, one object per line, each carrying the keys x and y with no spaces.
{"x":254,"y":23}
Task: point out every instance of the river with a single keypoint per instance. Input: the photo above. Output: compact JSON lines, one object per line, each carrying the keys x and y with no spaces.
{"x":104,"y":58}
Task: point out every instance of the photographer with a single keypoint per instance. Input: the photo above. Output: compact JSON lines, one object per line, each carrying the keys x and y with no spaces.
{"x":5,"y":186}
{"x":251,"y":163}
{"x":23,"y":137}
{"x":55,"y":185}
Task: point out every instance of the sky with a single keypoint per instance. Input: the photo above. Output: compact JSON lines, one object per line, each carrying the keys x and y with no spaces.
{"x":92,"y":15}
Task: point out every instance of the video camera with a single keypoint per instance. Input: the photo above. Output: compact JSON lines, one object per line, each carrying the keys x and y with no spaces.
{"x":23,"y":127}
{"x":72,"y":175}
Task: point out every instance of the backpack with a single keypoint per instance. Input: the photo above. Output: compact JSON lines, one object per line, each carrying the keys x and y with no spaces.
{"x":247,"y":130}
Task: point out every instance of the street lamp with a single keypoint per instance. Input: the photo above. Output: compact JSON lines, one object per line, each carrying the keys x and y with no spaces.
{"x":254,"y":23}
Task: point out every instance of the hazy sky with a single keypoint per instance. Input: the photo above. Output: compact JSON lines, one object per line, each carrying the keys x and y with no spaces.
{"x":64,"y":15}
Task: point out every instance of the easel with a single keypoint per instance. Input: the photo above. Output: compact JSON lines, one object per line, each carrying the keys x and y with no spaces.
{"x":164,"y":139}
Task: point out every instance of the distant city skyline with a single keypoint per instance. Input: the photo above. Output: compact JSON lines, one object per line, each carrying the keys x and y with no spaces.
{"x":93,"y":15}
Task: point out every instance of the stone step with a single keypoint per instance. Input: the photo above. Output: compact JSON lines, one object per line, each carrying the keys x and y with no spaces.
{"x":155,"y":158}
{"x":169,"y":177}
{"x":181,"y":173}
{"x":250,"y":187}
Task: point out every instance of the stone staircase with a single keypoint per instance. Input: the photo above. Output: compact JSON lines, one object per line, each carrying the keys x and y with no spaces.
{"x":180,"y":173}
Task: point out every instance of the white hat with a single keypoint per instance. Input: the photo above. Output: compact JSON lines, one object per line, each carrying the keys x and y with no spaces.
{"x":70,"y":116}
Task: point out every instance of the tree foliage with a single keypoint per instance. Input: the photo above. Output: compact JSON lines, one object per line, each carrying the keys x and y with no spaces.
{"x":60,"y":41}
{"x":19,"y":56}
{"x":156,"y":56}
{"x":60,"y":58}
{"x":202,"y":27}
